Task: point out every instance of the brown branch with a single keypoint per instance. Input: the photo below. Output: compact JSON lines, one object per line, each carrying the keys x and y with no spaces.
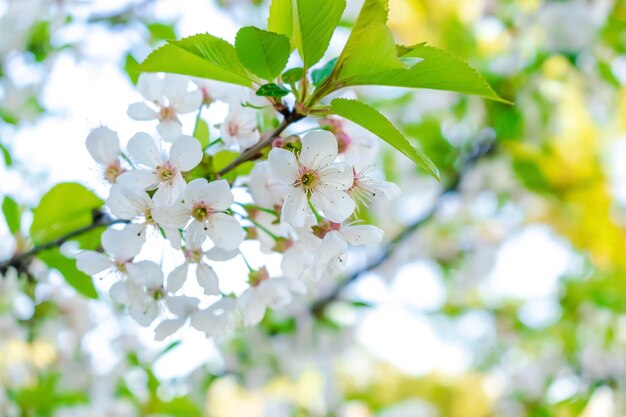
{"x":20,"y":261}
{"x":253,"y":152}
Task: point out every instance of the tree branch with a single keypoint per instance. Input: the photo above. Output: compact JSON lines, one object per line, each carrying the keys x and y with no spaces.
{"x":20,"y":261}
{"x":318,"y":307}
{"x":251,"y":153}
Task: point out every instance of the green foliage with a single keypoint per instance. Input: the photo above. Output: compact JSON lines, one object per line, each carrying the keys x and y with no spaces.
{"x":8,"y":160}
{"x":65,"y":208}
{"x":223,"y":158}
{"x":131,"y":66}
{"x":368,"y":117}
{"x":81,"y":282}
{"x":272,"y":90}
{"x":201,"y":56}
{"x":309,"y":24}
{"x":161,"y":31}
{"x":262,"y":53}
{"x":44,"y":397}
{"x":201,"y":132}
{"x":293,"y":75}
{"x":321,"y":74}
{"x":12,"y":214}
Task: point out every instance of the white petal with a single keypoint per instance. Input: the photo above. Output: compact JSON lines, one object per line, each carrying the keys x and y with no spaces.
{"x":143,"y":149}
{"x":103,"y":145}
{"x":174,"y":87}
{"x":140,"y":111}
{"x":218,"y":195}
{"x":195,"y":233}
{"x":144,"y":313}
{"x":205,"y":321}
{"x":127,"y":203}
{"x":182,"y":306}
{"x":335,"y":204}
{"x":225,"y":231}
{"x":119,"y":292}
{"x":92,"y":263}
{"x":333,"y":246}
{"x":319,"y":148}
{"x":177,"y":278}
{"x":339,"y":175}
{"x":196,"y":191}
{"x":141,"y":179}
{"x":295,"y":208}
{"x":146,"y":273}
{"x":189,"y":102}
{"x":166,"y":195}
{"x":219,"y":254}
{"x":186,"y":153}
{"x":284,"y":165}
{"x":362,"y":234}
{"x":173,"y":235}
{"x":149,"y":85}
{"x":170,"y":130}
{"x":254,"y":308}
{"x":123,"y":245}
{"x":167,"y":328}
{"x":175,"y":216}
{"x":207,"y":279}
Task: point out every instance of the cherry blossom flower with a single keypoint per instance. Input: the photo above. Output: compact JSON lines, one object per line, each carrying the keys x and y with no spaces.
{"x":205,"y":204}
{"x":240,"y":128}
{"x":121,"y":246}
{"x":168,"y":97}
{"x":147,"y":298}
{"x":313,"y":176}
{"x":104,"y":147}
{"x":162,"y":173}
{"x":365,"y":188}
{"x":267,"y":293}
{"x":133,"y":204}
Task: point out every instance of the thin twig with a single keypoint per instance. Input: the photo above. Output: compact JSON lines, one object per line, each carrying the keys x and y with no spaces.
{"x":21,"y":260}
{"x":251,"y":153}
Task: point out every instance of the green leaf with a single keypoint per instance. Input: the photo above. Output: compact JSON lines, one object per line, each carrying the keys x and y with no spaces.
{"x":223,"y":158}
{"x":162,"y":31}
{"x":293,"y":75}
{"x":65,"y":208}
{"x":131,"y":66}
{"x":262,"y":53}
{"x":368,"y":117}
{"x":12,"y":214}
{"x":315,"y":23}
{"x":202,"y":56}
{"x":72,"y":275}
{"x":272,"y":90}
{"x":437,"y":69}
{"x":321,"y":74}
{"x":8,"y":161}
{"x":280,"y":19}
{"x":201,"y":132}
{"x":370,"y":47}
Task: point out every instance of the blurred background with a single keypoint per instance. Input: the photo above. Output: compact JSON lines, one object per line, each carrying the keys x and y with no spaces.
{"x":503,"y":293}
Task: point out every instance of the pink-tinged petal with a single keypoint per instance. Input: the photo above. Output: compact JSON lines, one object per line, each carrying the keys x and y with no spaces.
{"x":170,"y":130}
{"x":149,"y":85}
{"x":335,"y":204}
{"x":339,"y":175}
{"x":295,"y":208}
{"x":284,"y":165}
{"x":127,"y":203}
{"x":93,"y":263}
{"x":189,"y":102}
{"x":167,"y":328}
{"x":143,"y":149}
{"x":177,"y":278}
{"x":186,"y":153}
{"x":362,"y":234}
{"x":141,"y":179}
{"x":123,"y":245}
{"x":146,"y":273}
{"x":319,"y":148}
{"x":218,"y":195}
{"x":103,"y":145}
{"x":225,"y":231}
{"x":207,"y":279}
{"x":141,"y":111}
{"x":175,"y":216}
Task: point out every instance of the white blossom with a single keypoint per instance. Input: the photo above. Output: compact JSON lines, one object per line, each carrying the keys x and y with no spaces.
{"x":104,"y":147}
{"x":168,"y":97}
{"x":274,"y":293}
{"x":163,"y":173}
{"x":313,"y":175}
{"x":240,"y":128}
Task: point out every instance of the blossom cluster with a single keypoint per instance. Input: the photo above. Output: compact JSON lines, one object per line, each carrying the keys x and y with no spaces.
{"x":300,"y":202}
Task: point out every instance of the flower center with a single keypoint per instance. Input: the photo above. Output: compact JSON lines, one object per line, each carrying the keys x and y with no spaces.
{"x":194,"y":256}
{"x":167,"y":113}
{"x":308,"y":180}
{"x":158,"y":294}
{"x":121,"y":266}
{"x":201,"y":212}
{"x":112,"y":171}
{"x":233,"y":129}
{"x":148,"y":215}
{"x":166,"y":172}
